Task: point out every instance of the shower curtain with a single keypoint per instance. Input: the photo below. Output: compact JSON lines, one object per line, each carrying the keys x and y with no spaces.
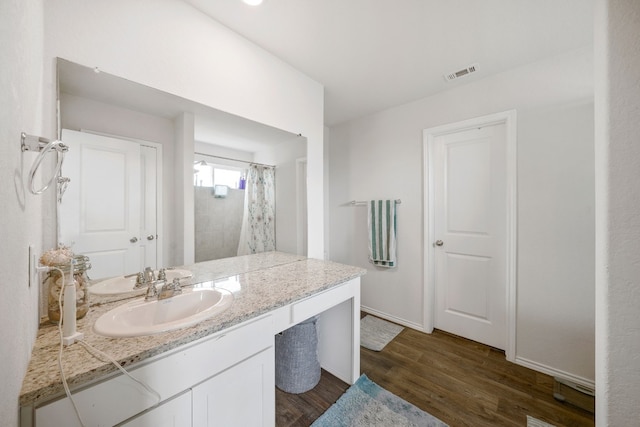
{"x":258,"y":232}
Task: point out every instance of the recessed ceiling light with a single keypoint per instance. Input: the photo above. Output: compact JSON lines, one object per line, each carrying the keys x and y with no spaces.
{"x":253,"y":2}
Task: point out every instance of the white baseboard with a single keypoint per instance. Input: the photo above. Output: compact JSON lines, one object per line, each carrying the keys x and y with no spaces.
{"x":555,"y":372}
{"x":393,"y":319}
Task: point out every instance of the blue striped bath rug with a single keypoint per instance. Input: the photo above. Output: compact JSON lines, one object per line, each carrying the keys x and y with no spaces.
{"x":365,"y":403}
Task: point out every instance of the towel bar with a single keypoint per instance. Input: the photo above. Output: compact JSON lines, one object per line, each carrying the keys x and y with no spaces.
{"x":364,"y":202}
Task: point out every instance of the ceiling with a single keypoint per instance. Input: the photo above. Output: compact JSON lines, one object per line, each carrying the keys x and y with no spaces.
{"x":374,"y":54}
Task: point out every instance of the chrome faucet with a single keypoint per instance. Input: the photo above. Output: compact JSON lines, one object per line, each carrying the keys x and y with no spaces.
{"x":170,"y":289}
{"x":149,"y":275}
{"x":148,"y":278}
{"x":152,"y":291}
{"x":144,"y":278}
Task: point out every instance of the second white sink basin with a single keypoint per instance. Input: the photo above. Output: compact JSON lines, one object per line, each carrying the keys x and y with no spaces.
{"x":123,"y":285}
{"x":139,"y":317}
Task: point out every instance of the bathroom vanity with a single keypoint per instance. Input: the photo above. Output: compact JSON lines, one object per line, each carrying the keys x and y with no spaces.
{"x":218,"y":372}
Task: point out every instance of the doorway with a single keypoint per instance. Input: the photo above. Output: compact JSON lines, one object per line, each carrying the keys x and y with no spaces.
{"x":109,"y":211}
{"x":469,"y":241}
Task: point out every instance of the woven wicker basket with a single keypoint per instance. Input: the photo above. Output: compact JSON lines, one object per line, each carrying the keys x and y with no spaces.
{"x":297,"y":365}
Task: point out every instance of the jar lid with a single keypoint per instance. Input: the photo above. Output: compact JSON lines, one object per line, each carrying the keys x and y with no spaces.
{"x":81,"y":263}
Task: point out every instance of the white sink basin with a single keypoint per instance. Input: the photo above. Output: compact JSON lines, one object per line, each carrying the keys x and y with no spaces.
{"x":123,"y":285}
{"x":137,"y":318}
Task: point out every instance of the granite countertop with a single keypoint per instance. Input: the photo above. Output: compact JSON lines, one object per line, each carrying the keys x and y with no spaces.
{"x":260,"y":283}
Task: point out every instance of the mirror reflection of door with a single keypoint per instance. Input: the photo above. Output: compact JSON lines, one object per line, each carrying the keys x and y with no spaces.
{"x":108,"y":211}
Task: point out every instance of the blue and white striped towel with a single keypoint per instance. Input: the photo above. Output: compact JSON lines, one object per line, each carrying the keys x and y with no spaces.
{"x":382,"y":232}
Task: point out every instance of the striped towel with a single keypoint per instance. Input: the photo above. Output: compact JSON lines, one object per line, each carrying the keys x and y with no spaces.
{"x":382,"y":233}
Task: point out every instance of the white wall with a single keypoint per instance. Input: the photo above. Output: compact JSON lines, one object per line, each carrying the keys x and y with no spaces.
{"x":168,"y":45}
{"x":617,"y":212}
{"x":88,"y":114}
{"x":21,"y":39}
{"x":556,"y":250}
{"x":184,"y":220}
{"x":380,"y":156}
{"x":216,"y":150}
{"x":327,"y":222}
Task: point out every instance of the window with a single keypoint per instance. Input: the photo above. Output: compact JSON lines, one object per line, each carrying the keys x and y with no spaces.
{"x":228,"y":177}
{"x":203,"y":175}
{"x":208,"y":175}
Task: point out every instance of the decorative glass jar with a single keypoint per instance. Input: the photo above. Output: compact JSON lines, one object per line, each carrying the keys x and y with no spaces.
{"x":53,"y":283}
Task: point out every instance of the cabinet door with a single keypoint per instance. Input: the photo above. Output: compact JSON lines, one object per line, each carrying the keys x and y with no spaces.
{"x":173,"y":413}
{"x":242,"y":396}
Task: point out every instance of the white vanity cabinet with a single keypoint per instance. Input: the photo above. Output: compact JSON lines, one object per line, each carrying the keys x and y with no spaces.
{"x":174,"y":413}
{"x":225,"y":360}
{"x":242,"y":396}
{"x":225,"y":379}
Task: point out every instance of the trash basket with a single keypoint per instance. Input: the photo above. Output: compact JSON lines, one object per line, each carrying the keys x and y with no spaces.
{"x":297,"y":365}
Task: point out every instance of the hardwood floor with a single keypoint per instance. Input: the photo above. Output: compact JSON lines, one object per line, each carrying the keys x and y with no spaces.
{"x":300,"y":410}
{"x":459,"y":381}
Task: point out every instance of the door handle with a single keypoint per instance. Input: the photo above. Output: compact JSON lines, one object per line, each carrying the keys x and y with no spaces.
{"x":150,"y":237}
{"x":133,"y":239}
{"x":439,"y":243}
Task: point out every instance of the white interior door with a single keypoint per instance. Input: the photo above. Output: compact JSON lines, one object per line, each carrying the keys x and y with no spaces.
{"x":100,"y":211}
{"x":470,"y":224}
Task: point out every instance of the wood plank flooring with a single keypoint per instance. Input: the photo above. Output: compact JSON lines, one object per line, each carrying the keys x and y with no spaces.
{"x":459,"y":381}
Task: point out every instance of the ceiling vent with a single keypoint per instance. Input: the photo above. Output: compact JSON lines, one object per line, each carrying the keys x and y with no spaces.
{"x":454,"y":75}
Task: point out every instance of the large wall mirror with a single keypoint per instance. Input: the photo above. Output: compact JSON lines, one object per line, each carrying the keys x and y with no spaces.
{"x":133,"y":148}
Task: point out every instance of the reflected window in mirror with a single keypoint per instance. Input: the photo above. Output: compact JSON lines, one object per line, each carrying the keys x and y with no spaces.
{"x":208,"y":175}
{"x":227,"y":176}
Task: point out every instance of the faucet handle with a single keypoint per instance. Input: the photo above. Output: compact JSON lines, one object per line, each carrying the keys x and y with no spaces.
{"x":169,"y":289}
{"x":139,"y":281}
{"x":162,"y":274}
{"x":152,"y":291}
{"x":176,"y":286}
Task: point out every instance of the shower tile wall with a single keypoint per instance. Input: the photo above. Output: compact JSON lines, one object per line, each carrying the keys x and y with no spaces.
{"x":217,"y":223}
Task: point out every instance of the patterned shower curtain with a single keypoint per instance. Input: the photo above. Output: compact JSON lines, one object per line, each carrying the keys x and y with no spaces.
{"x":258,"y":232}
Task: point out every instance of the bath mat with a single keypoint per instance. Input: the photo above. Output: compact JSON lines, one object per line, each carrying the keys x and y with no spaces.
{"x":534,"y":422}
{"x":375,"y":333}
{"x":367,"y":404}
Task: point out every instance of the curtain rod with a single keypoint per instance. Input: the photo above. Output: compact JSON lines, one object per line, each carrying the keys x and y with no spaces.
{"x":234,"y":160}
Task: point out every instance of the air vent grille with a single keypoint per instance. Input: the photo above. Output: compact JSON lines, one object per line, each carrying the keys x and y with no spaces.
{"x":461,"y":73}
